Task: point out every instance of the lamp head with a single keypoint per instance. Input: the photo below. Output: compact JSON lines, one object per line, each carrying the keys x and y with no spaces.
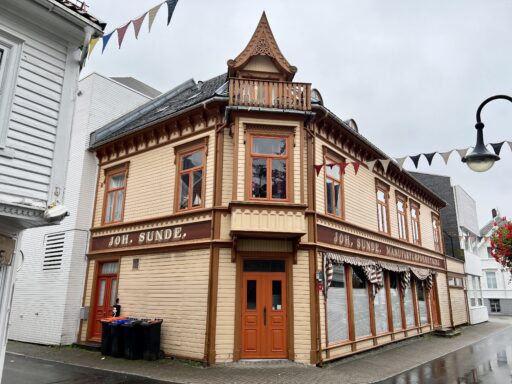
{"x":480,"y":159}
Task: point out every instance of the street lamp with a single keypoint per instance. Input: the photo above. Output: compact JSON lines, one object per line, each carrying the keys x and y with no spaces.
{"x":480,"y":159}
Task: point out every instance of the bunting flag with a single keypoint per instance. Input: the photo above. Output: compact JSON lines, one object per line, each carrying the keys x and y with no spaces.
{"x":462,"y":152}
{"x":152,"y":14}
{"x":385,"y":164}
{"x":171,"y":4}
{"x":415,"y":159}
{"x":121,"y":32}
{"x":400,"y":162}
{"x":446,"y":156}
{"x":356,"y":166}
{"x":106,"y":39}
{"x":318,"y":168}
{"x":510,"y":144}
{"x":137,"y":24}
{"x":342,"y":167}
{"x":371,"y":164}
{"x":92,"y":44}
{"x":497,"y":147}
{"x":429,"y":157}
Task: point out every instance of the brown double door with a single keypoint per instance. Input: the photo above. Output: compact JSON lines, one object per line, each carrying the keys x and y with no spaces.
{"x":264,"y":318}
{"x":105,"y":296}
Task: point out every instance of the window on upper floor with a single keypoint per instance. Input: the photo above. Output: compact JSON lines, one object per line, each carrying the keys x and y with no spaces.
{"x":333,"y":188}
{"x":491,"y":279}
{"x":436,"y":231}
{"x":115,"y":194}
{"x":382,"y":194}
{"x":191,"y":177}
{"x":269,"y":164}
{"x":489,"y":253}
{"x":415,"y":223}
{"x":401,"y":211}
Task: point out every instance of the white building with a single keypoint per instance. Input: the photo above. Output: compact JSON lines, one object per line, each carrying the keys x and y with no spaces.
{"x":497,"y":284}
{"x":49,"y":285}
{"x":41,"y":54}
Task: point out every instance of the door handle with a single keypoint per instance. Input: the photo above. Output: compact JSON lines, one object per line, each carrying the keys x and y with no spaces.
{"x":265,"y":315}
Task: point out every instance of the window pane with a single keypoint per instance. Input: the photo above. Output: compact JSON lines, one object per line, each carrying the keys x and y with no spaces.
{"x":329,"y":197}
{"x":360,"y":302}
{"x":197,"y":188}
{"x":259,"y":178}
{"x":276,"y":295}
{"x":116,"y":181}
{"x":400,"y":206}
{"x":119,"y":205}
{"x":192,"y":160}
{"x":110,"y":207}
{"x":184,"y":187}
{"x":333,"y":171}
{"x":264,"y":266}
{"x":337,"y":315}
{"x":396,"y":309}
{"x":108,"y":268}
{"x":422,"y":304}
{"x":381,"y":196}
{"x":337,"y":198}
{"x":279,"y":179}
{"x":101,"y":292}
{"x":385,"y":218}
{"x":491,"y":280}
{"x":409,"y":308}
{"x":113,"y":292}
{"x":413,"y":213}
{"x":251,"y":294}
{"x":269,"y":146}
{"x":379,"y":217}
{"x":381,"y":311}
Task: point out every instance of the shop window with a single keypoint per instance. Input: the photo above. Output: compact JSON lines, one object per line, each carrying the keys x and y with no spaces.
{"x":115,"y":195}
{"x":396,"y":308}
{"x":491,"y":280}
{"x":191,"y":167}
{"x":337,"y":312}
{"x":436,"y":229}
{"x":361,"y":304}
{"x":495,"y":305}
{"x":409,"y":308}
{"x":269,"y":160}
{"x":401,"y":206}
{"x":415,"y":223}
{"x":333,"y":189}
{"x":382,"y":192}
{"x":380,"y":306}
{"x":422,"y":302}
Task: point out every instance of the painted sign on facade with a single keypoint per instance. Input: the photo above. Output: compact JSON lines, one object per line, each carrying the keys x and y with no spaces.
{"x":153,"y":236}
{"x":372,"y":247}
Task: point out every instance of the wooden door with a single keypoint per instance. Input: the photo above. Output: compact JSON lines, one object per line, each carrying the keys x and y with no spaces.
{"x":105,"y":296}
{"x":264,"y":318}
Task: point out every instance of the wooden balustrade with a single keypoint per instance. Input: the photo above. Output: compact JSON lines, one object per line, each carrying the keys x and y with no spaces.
{"x":270,"y":94}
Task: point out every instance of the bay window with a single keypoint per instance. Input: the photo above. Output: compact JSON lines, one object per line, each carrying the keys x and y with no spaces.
{"x":360,"y":302}
{"x":333,"y":189}
{"x":337,"y":308}
{"x":115,"y":193}
{"x":191,"y":165}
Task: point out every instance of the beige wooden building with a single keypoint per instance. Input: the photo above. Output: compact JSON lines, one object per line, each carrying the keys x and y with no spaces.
{"x":209,"y":214}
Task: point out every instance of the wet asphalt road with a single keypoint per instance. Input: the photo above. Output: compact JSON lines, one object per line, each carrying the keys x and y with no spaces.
{"x":27,"y":370}
{"x":488,"y":361}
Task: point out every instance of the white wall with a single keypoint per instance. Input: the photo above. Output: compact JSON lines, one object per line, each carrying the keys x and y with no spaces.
{"x":46,"y":303}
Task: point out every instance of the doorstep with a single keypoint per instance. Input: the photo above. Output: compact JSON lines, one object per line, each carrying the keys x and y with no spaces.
{"x":447,"y":332}
{"x":88,"y":345}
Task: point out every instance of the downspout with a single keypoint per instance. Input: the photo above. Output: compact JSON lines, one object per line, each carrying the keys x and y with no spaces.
{"x":85,"y":47}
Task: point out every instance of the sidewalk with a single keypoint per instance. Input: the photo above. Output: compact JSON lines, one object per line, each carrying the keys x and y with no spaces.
{"x":367,"y":368}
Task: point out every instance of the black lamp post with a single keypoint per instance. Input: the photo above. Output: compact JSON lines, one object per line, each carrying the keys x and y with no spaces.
{"x":480,"y":159}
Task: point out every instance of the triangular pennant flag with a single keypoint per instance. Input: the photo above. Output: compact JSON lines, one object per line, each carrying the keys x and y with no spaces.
{"x":92,"y":44}
{"x":385,"y":164}
{"x":356,"y":166}
{"x":318,"y":168}
{"x":137,"y":23}
{"x":330,"y":165}
{"x":429,"y":157}
{"x":446,"y":156}
{"x":121,"y":31}
{"x":510,"y":144}
{"x":462,"y":152}
{"x":106,"y":39}
{"x":152,"y":14}
{"x":497,"y":147}
{"x":371,"y":164}
{"x":400,"y":161}
{"x":415,"y":159}
{"x":171,"y":4}
{"x":342,"y":167}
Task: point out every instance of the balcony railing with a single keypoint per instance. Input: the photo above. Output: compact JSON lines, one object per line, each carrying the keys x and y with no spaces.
{"x":270,"y":94}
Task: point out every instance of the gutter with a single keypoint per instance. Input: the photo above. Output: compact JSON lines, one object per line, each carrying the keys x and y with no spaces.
{"x":308,"y":114}
{"x":70,"y":15}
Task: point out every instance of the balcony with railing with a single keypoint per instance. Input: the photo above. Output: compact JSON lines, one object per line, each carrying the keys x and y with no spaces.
{"x":270,"y":94}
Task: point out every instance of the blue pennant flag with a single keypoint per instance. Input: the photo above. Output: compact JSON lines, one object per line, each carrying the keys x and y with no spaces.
{"x":171,"y":4}
{"x":105,"y":39}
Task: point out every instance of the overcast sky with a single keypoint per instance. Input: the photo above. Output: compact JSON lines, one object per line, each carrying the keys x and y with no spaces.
{"x":411,"y":73}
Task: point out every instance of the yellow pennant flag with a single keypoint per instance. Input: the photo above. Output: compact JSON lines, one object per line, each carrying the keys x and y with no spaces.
{"x":152,"y":14}
{"x":92,"y":44}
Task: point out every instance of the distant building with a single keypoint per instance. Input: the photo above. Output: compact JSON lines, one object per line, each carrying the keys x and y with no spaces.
{"x":497,"y":284}
{"x":461,"y":234}
{"x":49,"y":285}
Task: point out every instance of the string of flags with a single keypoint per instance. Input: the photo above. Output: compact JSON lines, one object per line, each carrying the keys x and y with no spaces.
{"x":137,"y":24}
{"x":401,"y":160}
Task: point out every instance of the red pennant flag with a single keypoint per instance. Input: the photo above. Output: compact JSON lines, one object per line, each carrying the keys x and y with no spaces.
{"x":137,"y":23}
{"x":356,"y":166}
{"x":121,"y":32}
{"x":342,"y":167}
{"x":318,"y":168}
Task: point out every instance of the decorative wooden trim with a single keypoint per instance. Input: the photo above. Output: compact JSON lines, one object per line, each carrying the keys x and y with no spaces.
{"x":314,"y":308}
{"x":290,"y":311}
{"x":238,"y":308}
{"x":211,"y":313}
{"x":236,"y":155}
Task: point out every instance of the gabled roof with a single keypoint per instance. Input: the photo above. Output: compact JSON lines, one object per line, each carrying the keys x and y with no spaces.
{"x":262,"y":43}
{"x":177,"y":99}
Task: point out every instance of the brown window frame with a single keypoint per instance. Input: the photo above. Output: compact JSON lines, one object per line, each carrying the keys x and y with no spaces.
{"x":438,"y":245}
{"x":109,"y":173}
{"x":380,"y":186}
{"x":180,"y":152}
{"x":403,"y":199}
{"x":250,"y":155}
{"x":416,"y":206}
{"x":329,"y":159}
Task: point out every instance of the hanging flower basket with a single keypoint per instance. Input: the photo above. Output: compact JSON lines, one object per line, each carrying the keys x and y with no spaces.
{"x":501,"y":243}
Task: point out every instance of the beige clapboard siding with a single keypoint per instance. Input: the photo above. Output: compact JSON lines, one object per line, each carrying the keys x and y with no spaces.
{"x":151,"y":183}
{"x":227,"y":169}
{"x":458,"y":306}
{"x":444,"y":305}
{"x":301,"y":309}
{"x":453,"y":265}
{"x":172,"y":286}
{"x":225,"y":334}
{"x":87,"y":298}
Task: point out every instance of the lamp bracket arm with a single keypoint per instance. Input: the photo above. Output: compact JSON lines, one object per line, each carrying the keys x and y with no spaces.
{"x":484,"y":103}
